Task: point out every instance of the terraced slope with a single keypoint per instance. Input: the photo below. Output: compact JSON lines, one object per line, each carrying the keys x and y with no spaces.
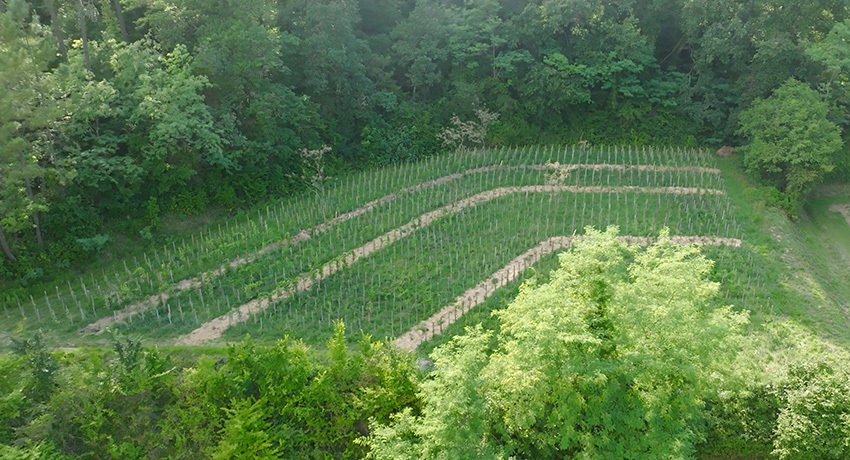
{"x":388,"y":249}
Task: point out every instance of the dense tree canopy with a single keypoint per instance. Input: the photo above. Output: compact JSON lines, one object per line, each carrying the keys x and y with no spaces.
{"x":115,"y":111}
{"x":612,"y":358}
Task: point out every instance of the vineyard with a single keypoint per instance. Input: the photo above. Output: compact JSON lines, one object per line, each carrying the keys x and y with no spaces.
{"x":406,"y":252}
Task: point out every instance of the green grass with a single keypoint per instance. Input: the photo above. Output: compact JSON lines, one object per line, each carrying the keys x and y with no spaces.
{"x":803,"y":264}
{"x":395,"y":288}
{"x":65,"y":308}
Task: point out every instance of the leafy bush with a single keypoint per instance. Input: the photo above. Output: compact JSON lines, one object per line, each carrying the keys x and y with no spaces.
{"x":189,"y":202}
{"x":93,"y":244}
{"x":814,"y":422}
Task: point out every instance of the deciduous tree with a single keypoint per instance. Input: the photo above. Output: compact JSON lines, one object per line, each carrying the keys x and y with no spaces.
{"x":792,"y":144}
{"x":610,"y":359}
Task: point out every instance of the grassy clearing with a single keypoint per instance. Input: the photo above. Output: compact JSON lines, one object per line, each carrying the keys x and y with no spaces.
{"x":804,"y":264}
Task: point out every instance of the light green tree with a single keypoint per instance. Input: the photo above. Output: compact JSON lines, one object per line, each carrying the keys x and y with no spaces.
{"x":612,"y":358}
{"x":792,"y":144}
{"x":814,"y":420}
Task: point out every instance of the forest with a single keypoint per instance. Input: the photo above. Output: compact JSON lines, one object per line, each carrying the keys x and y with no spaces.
{"x":416,"y":229}
{"x":118,"y":112}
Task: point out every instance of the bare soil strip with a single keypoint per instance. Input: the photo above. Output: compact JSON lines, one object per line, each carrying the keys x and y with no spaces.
{"x":214,"y":328}
{"x":844,"y":209}
{"x":124,"y":314}
{"x":437,"y":323}
{"x":619,"y":167}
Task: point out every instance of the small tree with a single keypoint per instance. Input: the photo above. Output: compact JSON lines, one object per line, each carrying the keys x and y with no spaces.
{"x":314,"y":163}
{"x":792,"y":143}
{"x":463,"y":134}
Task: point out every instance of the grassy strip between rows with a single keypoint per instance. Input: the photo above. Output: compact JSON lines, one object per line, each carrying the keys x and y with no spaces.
{"x":347,"y":235}
{"x":386,"y":294}
{"x":153,"y":271}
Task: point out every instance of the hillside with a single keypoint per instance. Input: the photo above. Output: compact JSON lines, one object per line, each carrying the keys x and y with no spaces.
{"x":262,"y":229}
{"x":415,"y":247}
{"x":416,"y":254}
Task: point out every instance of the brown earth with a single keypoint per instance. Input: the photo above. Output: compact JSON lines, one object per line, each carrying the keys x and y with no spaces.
{"x":726,"y":151}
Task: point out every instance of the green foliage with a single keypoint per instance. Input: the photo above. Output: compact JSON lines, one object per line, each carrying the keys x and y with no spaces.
{"x":39,"y":451}
{"x":804,"y":415}
{"x":189,"y":202}
{"x":165,"y":98}
{"x":246,"y":434}
{"x":581,"y":366}
{"x":42,"y":366}
{"x":814,"y":422}
{"x":282,"y":401}
{"x":792,"y":144}
{"x":832,"y":54}
{"x":94,"y":244}
{"x":741,"y":423}
{"x":152,"y":212}
{"x":30,"y":109}
{"x":13,"y":402}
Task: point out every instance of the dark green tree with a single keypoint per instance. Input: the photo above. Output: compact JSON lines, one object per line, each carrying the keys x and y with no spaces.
{"x":29,"y":111}
{"x":791,"y":142}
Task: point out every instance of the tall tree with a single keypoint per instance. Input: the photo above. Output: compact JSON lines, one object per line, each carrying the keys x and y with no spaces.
{"x":56,"y":28}
{"x":421,"y":45}
{"x":84,"y":10}
{"x":833,"y":54}
{"x":612,"y":358}
{"x":118,"y":9}
{"x":26,"y":109}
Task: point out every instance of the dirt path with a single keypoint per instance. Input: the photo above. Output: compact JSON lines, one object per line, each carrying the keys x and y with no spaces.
{"x":844,"y":209}
{"x":437,"y":323}
{"x":214,"y":328}
{"x":619,"y":167}
{"x":126,"y":313}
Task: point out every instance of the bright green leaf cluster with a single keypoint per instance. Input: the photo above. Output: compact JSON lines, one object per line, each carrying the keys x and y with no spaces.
{"x":610,"y":359}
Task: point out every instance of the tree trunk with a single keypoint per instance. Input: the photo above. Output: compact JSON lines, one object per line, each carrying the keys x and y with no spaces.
{"x":36,"y":218}
{"x":35,"y":215}
{"x":119,"y":14}
{"x":5,"y":245}
{"x":81,"y":18}
{"x":56,"y":28}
